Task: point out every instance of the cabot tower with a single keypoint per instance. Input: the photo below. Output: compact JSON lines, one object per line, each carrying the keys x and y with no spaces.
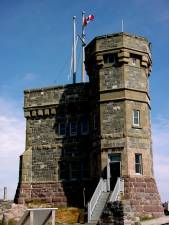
{"x":119,"y":66}
{"x":81,"y":134}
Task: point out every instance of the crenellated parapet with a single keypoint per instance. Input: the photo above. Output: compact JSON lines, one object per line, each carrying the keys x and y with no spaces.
{"x":46,"y":101}
{"x":124,"y":46}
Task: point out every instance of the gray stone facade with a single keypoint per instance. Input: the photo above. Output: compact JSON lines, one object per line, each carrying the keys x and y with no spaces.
{"x":41,"y":174}
{"x":77,"y":133}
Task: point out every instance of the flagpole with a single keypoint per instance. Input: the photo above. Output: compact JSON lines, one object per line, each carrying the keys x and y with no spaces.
{"x":83,"y":47}
{"x":74,"y":49}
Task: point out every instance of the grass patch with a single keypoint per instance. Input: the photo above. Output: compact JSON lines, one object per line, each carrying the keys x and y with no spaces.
{"x":10,"y":222}
{"x":146,"y":217}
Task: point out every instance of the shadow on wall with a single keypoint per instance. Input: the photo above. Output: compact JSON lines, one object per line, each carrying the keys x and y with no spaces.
{"x":61,"y":162}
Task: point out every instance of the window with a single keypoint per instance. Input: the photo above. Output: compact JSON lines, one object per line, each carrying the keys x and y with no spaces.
{"x":133,"y":61}
{"x":84,"y":126}
{"x":62,"y":128}
{"x":73,"y":170}
{"x":138,"y":164}
{"x":73,"y":128}
{"x":109,"y":58}
{"x":115,"y":157}
{"x":136,"y":117}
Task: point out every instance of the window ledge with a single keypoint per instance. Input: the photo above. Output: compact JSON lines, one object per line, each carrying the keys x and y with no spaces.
{"x":136,"y":127}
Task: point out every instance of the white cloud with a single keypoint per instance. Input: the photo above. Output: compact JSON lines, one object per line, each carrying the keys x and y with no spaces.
{"x":161,"y":156}
{"x":12,"y":134}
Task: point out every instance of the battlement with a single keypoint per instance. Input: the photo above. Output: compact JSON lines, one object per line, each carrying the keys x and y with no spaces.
{"x":43,"y":101}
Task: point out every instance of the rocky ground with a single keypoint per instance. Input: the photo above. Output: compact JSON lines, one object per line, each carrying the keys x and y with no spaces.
{"x":11,"y":211}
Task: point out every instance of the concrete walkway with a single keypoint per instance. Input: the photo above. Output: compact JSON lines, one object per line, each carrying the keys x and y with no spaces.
{"x":160,"y":221}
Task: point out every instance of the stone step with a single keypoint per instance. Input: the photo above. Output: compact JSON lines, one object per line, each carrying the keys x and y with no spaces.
{"x":99,"y":206}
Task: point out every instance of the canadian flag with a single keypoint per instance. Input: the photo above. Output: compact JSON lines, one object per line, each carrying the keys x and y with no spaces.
{"x":86,"y":20}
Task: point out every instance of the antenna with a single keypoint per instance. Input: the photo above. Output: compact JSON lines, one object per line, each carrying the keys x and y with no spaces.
{"x":74,"y":49}
{"x":122,"y":25}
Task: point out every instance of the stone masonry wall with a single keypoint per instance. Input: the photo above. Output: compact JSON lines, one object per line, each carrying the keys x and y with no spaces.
{"x":111,"y":78}
{"x":122,"y":65}
{"x":46,"y":149}
{"x":143,"y":195}
{"x":55,"y":95}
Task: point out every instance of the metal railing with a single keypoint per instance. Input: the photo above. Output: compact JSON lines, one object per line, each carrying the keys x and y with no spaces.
{"x":38,"y":216}
{"x":101,"y":187}
{"x":119,"y":188}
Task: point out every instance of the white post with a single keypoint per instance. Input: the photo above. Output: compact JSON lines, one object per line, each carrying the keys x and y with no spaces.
{"x":83,"y":47}
{"x":84,"y":199}
{"x":74,"y":49}
{"x":5,"y":194}
{"x":53,"y":216}
{"x":31,"y":217}
{"x":89,"y":212}
{"x":108,"y":173}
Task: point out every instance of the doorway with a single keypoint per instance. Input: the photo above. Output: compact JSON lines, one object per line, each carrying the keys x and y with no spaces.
{"x":114,"y":169}
{"x":114,"y":173}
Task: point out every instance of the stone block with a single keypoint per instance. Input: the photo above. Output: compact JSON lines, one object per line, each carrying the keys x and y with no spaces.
{"x":27,"y":114}
{"x":124,"y":54}
{"x":46,"y":112}
{"x":40,"y":112}
{"x":53,"y":111}
{"x":34,"y":113}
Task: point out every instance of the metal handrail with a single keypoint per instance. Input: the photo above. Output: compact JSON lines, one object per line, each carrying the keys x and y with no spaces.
{"x":101,"y":187}
{"x":119,"y":188}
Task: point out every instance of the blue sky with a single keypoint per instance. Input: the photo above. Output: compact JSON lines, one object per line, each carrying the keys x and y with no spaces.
{"x":35,"y":51}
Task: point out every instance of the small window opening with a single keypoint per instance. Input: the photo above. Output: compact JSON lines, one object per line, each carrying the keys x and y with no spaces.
{"x":73,"y":128}
{"x":109,"y":58}
{"x":133,"y":61}
{"x":62,"y":129}
{"x":136,"y":117}
{"x":138,"y":164}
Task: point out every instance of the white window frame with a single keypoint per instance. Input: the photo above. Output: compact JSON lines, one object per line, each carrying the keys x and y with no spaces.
{"x":73,"y":133}
{"x":62,"y":123}
{"x":140,"y":164}
{"x":137,"y":117}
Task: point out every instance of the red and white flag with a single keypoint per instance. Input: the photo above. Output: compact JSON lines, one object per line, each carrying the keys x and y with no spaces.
{"x":86,"y":20}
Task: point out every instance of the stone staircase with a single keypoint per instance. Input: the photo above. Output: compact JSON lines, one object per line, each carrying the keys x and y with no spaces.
{"x":99,"y":207}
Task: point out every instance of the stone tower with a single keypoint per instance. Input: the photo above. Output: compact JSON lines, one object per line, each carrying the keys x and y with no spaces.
{"x":118,"y":66}
{"x":78,"y":133}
